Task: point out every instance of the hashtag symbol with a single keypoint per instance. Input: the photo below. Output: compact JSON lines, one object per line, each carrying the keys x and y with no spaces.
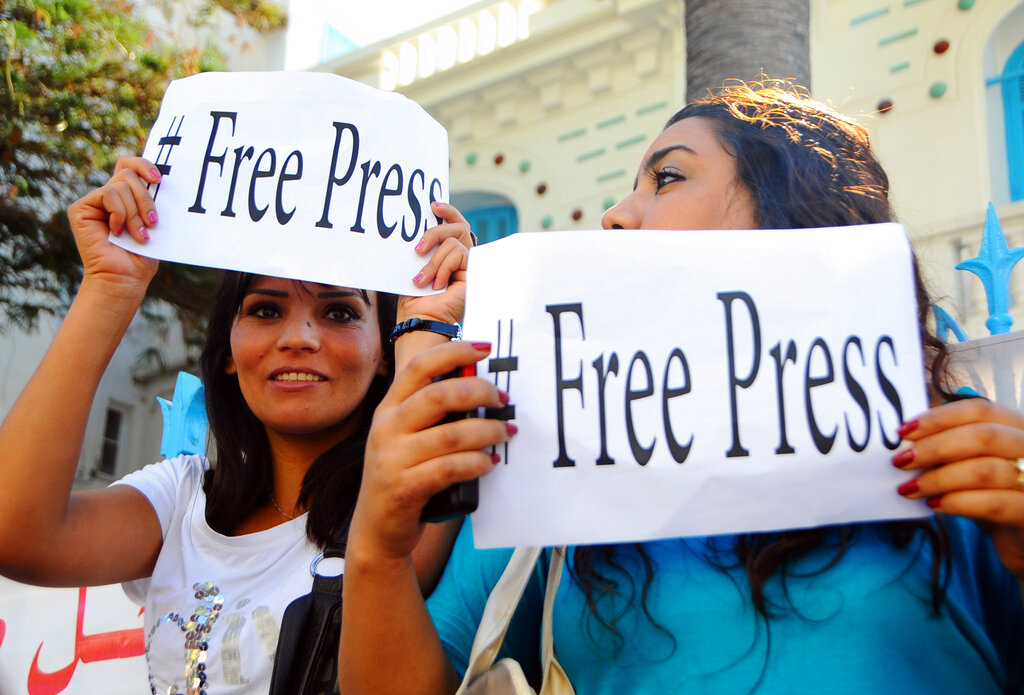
{"x":503,"y":365}
{"x":167,"y":143}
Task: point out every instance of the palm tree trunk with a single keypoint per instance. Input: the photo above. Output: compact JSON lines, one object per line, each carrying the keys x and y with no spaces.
{"x":743,"y":39}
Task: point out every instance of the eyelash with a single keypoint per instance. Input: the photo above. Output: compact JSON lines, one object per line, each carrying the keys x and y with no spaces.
{"x":261,"y":309}
{"x":665,"y":176}
{"x":349,"y":314}
{"x":338,"y":313}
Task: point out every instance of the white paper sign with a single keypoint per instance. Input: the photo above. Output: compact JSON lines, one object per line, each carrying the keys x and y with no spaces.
{"x":695,"y":383}
{"x":70,"y":641}
{"x":295,"y":174}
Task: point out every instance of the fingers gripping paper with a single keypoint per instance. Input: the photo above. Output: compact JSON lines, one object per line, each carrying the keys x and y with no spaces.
{"x":303,"y":175}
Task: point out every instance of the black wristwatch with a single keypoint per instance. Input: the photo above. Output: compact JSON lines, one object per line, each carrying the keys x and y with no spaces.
{"x":452,"y":330}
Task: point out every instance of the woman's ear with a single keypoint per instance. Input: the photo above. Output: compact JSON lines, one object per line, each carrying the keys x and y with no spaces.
{"x":229,"y":368}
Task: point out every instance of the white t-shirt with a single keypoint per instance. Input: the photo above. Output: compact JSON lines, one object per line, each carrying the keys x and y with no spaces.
{"x":213,"y":606}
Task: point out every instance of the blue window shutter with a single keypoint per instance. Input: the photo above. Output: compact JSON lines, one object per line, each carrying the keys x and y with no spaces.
{"x":492,"y":222}
{"x":1013,"y":107}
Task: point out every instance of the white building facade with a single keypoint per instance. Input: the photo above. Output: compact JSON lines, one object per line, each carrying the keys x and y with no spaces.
{"x":549,"y":106}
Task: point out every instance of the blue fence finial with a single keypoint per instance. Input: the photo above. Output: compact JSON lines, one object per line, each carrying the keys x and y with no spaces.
{"x":944,"y":323}
{"x":185,"y":420}
{"x":993,"y":265}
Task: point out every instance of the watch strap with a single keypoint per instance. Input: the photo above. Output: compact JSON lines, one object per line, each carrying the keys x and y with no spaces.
{"x":451,"y":331}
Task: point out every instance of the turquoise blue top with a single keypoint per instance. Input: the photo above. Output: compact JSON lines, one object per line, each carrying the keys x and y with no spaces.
{"x":865,"y":625}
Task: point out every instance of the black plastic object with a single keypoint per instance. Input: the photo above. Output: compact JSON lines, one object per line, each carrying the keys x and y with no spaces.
{"x":460,"y":498}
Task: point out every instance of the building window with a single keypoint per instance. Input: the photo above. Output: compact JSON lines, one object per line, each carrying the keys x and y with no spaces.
{"x":1013,"y":105}
{"x":111,"y":441}
{"x":492,"y":222}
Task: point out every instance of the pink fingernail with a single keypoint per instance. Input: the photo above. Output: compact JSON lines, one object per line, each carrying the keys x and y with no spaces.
{"x":419,"y":276}
{"x":907,"y":427}
{"x":511,"y":429}
{"x":152,"y":216}
{"x":903,"y":458}
{"x":495,"y":459}
{"x":119,"y":231}
{"x":155,"y":173}
{"x":504,"y":397}
{"x":144,"y":232}
{"x":908,"y":488}
{"x":419,"y":246}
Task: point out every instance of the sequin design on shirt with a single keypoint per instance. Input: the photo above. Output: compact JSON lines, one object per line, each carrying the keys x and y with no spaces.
{"x":230,"y":651}
{"x":266,"y":629}
{"x":197,"y":628}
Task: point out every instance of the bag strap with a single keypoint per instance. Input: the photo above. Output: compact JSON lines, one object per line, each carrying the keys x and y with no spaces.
{"x":502,"y":604}
{"x":339,"y":539}
{"x":307,"y":649}
{"x":335,"y":548}
{"x":555,"y":680}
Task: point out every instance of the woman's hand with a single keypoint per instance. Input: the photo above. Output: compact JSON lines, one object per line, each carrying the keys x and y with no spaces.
{"x":970,"y":453}
{"x":122,"y":205}
{"x":446,"y":268}
{"x":410,"y":457}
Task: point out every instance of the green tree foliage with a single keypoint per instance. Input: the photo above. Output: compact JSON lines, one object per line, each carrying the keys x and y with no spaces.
{"x":82,"y":82}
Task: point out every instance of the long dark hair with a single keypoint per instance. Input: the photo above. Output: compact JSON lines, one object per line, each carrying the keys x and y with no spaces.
{"x":240,"y":480}
{"x":805,"y":165}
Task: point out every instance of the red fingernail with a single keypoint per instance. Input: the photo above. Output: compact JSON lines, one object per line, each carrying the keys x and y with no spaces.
{"x":903,"y":458}
{"x":503,"y":397}
{"x":419,"y":276}
{"x":144,"y":232}
{"x":155,"y":173}
{"x":510,"y":428}
{"x":482,"y":347}
{"x":907,"y":427}
{"x":495,"y":459}
{"x":908,"y":488}
{"x":934,"y":502}
{"x":152,"y":217}
{"x":419,"y":246}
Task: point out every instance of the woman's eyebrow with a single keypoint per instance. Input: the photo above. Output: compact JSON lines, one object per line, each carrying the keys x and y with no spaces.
{"x":326,"y":294}
{"x":335,"y":294}
{"x":658,"y":155}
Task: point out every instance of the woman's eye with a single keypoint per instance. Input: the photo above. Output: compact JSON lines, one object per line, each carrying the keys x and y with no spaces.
{"x":264,"y":310}
{"x":663,"y":177}
{"x":341,"y":313}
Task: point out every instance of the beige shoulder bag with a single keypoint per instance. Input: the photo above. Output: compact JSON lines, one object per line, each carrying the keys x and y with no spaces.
{"x":483,"y":676}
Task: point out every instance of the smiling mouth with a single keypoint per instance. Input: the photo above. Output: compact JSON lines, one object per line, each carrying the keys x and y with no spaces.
{"x":297,"y":376}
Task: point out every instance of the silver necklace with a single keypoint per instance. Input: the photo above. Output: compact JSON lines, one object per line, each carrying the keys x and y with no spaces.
{"x":283,"y":513}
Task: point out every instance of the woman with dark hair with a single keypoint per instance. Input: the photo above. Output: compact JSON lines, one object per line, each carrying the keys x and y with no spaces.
{"x":215,"y":551}
{"x":928,"y":605}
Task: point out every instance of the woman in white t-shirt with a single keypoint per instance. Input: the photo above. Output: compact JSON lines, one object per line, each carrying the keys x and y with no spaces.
{"x":293,"y":371}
